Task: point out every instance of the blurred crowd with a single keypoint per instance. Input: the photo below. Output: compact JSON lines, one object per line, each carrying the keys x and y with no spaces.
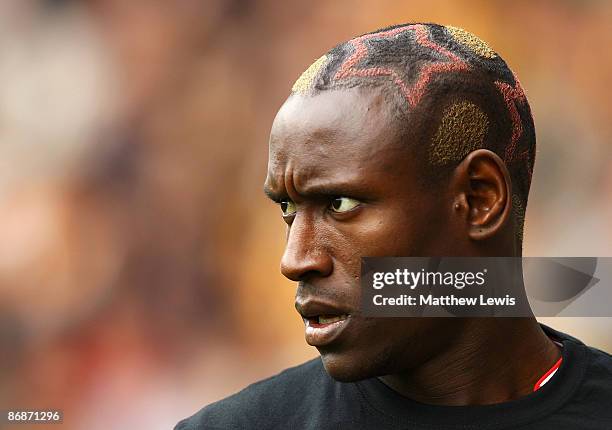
{"x":138,"y":256}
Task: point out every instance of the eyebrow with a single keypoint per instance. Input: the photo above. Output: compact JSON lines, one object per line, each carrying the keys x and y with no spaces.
{"x":321,"y":190}
{"x":271,"y":194}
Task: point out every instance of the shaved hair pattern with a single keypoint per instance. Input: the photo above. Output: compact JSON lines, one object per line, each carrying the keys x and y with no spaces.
{"x":462,"y":130}
{"x":414,"y":93}
{"x":445,"y":82}
{"x":304,"y":82}
{"x":519,"y":214}
{"x":471,"y":41}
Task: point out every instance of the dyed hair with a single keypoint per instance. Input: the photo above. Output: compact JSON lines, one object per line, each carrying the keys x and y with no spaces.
{"x":454,"y":91}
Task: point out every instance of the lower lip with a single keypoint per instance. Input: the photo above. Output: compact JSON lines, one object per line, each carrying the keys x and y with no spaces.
{"x":324,"y":334}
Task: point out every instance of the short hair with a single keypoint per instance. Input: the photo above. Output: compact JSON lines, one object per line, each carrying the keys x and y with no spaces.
{"x":459,"y":93}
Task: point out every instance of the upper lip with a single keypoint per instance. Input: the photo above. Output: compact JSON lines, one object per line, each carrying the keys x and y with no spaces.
{"x":310,"y":308}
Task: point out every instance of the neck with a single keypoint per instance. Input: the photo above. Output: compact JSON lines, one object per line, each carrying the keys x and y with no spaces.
{"x":492,"y":360}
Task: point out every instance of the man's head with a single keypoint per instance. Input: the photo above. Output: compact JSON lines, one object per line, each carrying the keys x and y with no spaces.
{"x":415,"y":140}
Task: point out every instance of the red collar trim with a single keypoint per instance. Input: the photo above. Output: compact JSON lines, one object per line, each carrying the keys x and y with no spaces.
{"x":544,"y":379}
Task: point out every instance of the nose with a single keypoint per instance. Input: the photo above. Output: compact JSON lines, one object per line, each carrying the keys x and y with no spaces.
{"x":304,"y":258}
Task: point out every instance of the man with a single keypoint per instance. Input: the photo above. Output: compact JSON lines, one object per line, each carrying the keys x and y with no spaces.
{"x":414,"y":140}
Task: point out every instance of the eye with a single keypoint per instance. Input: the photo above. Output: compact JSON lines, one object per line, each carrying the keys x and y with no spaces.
{"x":343,"y":204}
{"x":287,"y":207}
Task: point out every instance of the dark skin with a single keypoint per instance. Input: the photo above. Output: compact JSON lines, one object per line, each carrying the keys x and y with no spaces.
{"x":347,"y":184}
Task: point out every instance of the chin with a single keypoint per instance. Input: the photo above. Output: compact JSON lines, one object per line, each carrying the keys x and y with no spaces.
{"x":344,"y":367}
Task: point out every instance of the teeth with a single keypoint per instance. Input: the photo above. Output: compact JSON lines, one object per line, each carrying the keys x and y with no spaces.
{"x":328,"y":320}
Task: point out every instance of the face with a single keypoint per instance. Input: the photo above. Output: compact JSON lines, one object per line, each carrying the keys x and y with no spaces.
{"x":347,"y":187}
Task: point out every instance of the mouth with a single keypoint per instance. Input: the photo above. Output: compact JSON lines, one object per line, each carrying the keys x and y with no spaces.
{"x":324,"y":329}
{"x":324,"y":322}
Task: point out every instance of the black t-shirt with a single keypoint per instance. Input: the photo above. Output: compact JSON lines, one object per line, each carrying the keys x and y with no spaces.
{"x":579,"y":396}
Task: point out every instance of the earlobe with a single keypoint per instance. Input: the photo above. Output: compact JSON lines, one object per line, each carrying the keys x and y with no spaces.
{"x":485,"y":189}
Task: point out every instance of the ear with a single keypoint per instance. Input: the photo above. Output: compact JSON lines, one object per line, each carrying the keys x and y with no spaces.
{"x":482,"y":187}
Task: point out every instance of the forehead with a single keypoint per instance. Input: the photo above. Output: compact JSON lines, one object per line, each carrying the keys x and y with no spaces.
{"x":348,"y":132}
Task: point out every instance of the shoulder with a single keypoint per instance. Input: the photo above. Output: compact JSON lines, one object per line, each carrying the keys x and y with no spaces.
{"x":592,"y":400}
{"x":254,"y":406}
{"x":597,"y":363}
{"x":599,"y":369}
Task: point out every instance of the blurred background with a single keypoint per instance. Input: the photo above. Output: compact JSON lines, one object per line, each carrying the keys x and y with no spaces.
{"x":135,"y":240}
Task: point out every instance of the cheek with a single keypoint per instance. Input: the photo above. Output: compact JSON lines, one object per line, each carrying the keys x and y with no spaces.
{"x":374,"y":233}
{"x":388,"y":231}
